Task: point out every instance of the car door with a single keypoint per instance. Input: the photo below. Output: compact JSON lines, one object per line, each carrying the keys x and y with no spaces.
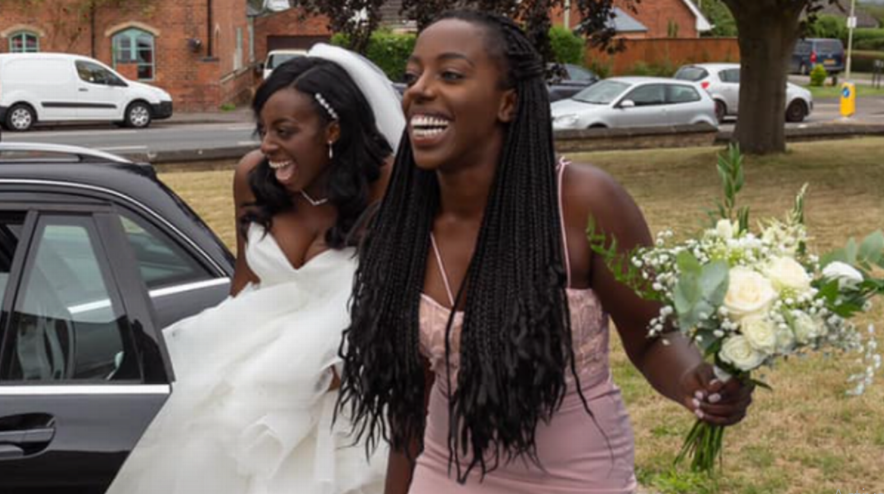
{"x":100,"y":94}
{"x":83,"y":369}
{"x":730,"y":89}
{"x":683,"y":102}
{"x":650,"y":107}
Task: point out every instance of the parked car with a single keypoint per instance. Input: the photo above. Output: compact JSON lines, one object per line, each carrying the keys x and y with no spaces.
{"x":275,"y":58}
{"x":635,"y":102}
{"x":568,"y":80}
{"x":722,"y":81}
{"x":812,"y":51}
{"x":59,"y":87}
{"x":96,"y":256}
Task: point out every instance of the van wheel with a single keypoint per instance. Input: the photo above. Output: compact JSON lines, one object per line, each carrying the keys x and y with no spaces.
{"x":796,"y":111}
{"x":138,"y":115}
{"x":20,"y":118}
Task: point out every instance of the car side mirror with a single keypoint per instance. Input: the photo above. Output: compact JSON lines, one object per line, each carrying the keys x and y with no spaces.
{"x":627,"y":103}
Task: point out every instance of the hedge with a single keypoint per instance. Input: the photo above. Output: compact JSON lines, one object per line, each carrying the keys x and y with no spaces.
{"x":390,"y":51}
{"x":861,"y":61}
{"x":566,"y":46}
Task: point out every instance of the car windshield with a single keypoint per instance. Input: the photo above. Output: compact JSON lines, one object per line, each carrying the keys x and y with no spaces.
{"x":690,"y":74}
{"x":601,"y":93}
{"x":278,"y":59}
{"x":577,"y":73}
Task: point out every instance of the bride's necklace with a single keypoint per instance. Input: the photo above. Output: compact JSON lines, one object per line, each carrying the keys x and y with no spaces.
{"x":313,"y":202}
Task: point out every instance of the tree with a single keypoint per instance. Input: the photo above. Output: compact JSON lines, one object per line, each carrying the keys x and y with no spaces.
{"x":596,"y":17}
{"x":722,"y":20}
{"x":768,"y":31}
{"x":356,"y":19}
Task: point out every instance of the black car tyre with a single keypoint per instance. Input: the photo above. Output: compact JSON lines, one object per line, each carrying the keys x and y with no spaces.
{"x":138,"y":115}
{"x":796,"y":111}
{"x":720,"y":110}
{"x":20,"y":117}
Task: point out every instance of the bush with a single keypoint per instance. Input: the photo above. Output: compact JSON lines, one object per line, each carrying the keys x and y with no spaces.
{"x":567,"y":47}
{"x":601,"y":69}
{"x":818,"y":75}
{"x":389,"y":50}
{"x":863,"y":61}
{"x":653,"y":69}
{"x":829,"y":26}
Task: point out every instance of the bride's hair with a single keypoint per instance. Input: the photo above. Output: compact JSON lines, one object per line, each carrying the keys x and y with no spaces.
{"x":358,"y":153}
{"x":516,"y":346}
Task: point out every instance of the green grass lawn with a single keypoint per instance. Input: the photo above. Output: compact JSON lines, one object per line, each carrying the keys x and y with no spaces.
{"x":835,"y":92}
{"x":806,"y":437}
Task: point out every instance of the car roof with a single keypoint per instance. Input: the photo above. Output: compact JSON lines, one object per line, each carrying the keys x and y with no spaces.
{"x":45,"y":54}
{"x":643,"y":79}
{"x":715,"y":65}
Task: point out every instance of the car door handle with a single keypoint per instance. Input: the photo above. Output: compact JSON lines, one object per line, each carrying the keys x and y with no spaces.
{"x":9,"y":452}
{"x":27,"y":437}
{"x":84,"y":90}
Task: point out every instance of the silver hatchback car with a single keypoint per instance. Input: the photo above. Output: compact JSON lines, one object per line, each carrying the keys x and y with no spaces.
{"x":635,"y":102}
{"x":722,"y":81}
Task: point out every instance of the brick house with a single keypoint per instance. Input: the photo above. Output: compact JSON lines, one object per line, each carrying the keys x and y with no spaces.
{"x":197,"y":50}
{"x":287,"y":29}
{"x":659,"y":18}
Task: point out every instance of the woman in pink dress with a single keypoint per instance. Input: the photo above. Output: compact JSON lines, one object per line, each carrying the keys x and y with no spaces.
{"x":478,"y":345}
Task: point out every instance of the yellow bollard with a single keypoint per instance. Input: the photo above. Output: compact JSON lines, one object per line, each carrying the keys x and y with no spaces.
{"x":848,"y":99}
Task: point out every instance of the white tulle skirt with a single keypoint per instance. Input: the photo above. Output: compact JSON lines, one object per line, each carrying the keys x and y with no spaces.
{"x":250,"y":411}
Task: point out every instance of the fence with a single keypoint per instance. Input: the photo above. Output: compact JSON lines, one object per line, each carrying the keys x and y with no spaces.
{"x":666,"y":54}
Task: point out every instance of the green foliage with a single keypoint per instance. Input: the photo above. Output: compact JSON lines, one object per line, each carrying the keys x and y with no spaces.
{"x":868,"y":39}
{"x":818,"y":75}
{"x":863,"y":61}
{"x":389,"y":50}
{"x":653,"y":69}
{"x":227,"y":107}
{"x":730,"y":171}
{"x":620,"y":263}
{"x":600,"y":68}
{"x":567,"y":47}
{"x":828,"y":26}
{"x":672,"y":29}
{"x":721,"y":18}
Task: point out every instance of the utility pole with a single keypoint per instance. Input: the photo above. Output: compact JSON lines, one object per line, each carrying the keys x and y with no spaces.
{"x":851,"y":25}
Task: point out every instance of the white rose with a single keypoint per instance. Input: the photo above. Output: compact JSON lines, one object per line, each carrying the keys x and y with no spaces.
{"x":786,"y":274}
{"x":760,"y":332}
{"x":806,"y":327}
{"x":724,"y":229}
{"x":847,"y":275}
{"x":748,"y":293}
{"x":737,"y":351}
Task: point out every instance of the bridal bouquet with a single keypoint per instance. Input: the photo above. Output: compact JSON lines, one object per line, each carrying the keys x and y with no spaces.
{"x":748,"y":297}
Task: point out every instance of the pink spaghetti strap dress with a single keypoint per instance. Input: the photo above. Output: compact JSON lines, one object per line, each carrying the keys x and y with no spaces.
{"x":578,"y":455}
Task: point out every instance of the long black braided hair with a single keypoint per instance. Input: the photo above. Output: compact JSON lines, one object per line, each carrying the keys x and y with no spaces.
{"x":359,"y":153}
{"x":516,"y":340}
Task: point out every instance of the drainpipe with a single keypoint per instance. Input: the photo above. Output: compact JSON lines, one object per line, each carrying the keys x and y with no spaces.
{"x":210,"y":51}
{"x":567,"y":19}
{"x":92,"y":27}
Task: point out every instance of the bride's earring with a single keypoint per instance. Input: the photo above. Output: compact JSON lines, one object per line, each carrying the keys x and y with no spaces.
{"x":331,"y":152}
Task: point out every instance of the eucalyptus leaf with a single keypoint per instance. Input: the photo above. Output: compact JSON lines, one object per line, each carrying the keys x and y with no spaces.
{"x":714,"y":282}
{"x":871,"y":248}
{"x":687,"y":263}
{"x":850,"y":251}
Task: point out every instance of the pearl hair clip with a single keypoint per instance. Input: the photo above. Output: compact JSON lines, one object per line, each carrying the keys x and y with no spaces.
{"x":328,"y":107}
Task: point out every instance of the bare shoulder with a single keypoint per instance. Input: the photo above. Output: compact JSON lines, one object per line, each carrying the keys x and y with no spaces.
{"x":589,"y":190}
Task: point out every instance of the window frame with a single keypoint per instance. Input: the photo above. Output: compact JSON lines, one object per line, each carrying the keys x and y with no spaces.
{"x":628,"y":95}
{"x":132,"y":34}
{"x":23,"y":34}
{"x":671,"y":88}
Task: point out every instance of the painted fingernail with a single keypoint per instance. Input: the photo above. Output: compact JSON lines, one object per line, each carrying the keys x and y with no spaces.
{"x":714,"y":398}
{"x":714,"y":382}
{"x":698,"y":394}
{"x":699,"y":413}
{"x":696,"y":403}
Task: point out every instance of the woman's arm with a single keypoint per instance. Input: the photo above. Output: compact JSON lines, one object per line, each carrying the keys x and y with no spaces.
{"x":672,"y":364}
{"x":242,"y":195}
{"x":400,"y":468}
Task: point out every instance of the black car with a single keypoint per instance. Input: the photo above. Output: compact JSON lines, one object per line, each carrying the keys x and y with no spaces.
{"x":96,"y":257}
{"x":566,"y":80}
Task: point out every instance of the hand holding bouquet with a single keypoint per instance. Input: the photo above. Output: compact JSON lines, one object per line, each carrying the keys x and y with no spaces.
{"x":749,"y":298}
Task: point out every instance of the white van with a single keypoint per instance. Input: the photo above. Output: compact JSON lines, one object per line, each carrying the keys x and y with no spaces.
{"x":59,"y":87}
{"x":275,"y":58}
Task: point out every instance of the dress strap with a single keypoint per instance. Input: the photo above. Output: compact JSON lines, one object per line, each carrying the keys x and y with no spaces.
{"x":560,"y":172}
{"x":442,"y":270}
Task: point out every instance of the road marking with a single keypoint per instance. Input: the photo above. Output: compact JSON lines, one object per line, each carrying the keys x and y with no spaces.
{"x":121,"y":148}
{"x":83,"y":133}
{"x":248,"y":143}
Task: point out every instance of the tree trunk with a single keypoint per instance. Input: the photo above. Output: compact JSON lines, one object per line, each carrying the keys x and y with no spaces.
{"x":768,"y":31}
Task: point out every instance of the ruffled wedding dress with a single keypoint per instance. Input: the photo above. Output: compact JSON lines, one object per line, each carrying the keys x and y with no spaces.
{"x":250,"y":411}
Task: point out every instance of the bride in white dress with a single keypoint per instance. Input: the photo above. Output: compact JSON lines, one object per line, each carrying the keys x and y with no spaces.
{"x":252,"y":406}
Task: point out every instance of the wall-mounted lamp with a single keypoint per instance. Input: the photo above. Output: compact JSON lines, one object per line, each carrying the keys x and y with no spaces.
{"x":194,"y":44}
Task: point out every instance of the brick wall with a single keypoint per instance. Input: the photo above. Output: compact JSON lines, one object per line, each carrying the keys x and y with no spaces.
{"x":196,"y":81}
{"x":287,"y":23}
{"x":656,"y":15}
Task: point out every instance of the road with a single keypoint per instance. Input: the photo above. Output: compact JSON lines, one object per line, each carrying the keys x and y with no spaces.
{"x":166,"y":137}
{"x":158,"y":138}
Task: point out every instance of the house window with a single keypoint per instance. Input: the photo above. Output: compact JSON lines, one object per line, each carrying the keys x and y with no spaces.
{"x":24,"y":42}
{"x":137,"y":47}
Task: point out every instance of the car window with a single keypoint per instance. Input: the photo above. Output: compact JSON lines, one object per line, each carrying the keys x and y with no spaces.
{"x":730,"y":75}
{"x":802,"y":47}
{"x":829,"y":46}
{"x":678,"y":93}
{"x":601,"y":93}
{"x":95,"y":74}
{"x":577,"y":73}
{"x":67,"y":324}
{"x":691,"y":73}
{"x":10,"y":231}
{"x":648,"y":95}
{"x":278,"y":59}
{"x":161,"y":261}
